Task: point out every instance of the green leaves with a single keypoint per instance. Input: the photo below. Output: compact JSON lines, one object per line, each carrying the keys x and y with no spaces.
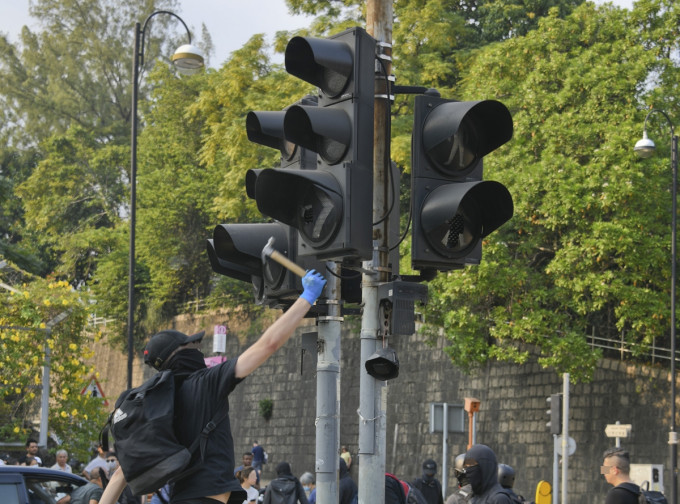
{"x":588,"y":250}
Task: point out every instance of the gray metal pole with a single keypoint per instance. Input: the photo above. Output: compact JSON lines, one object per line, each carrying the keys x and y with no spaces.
{"x":371,"y":464}
{"x":556,"y":472}
{"x":328,"y":393}
{"x":373,"y":393}
{"x":45,"y":396}
{"x":565,"y":436}
{"x":445,"y":445}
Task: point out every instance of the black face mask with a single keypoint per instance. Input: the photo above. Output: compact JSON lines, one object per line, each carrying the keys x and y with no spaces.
{"x":185,"y":361}
{"x":462,"y":478}
{"x":428,"y":478}
{"x":475,"y":478}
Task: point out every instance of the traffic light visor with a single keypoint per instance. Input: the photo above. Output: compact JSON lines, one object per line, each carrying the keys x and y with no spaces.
{"x":326,"y":131}
{"x":455,"y":217}
{"x":457,"y":134}
{"x":324,"y":63}
{"x":266,"y":128}
{"x":308,"y":200}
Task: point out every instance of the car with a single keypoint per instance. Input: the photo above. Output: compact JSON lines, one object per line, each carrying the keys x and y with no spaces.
{"x":35,"y":485}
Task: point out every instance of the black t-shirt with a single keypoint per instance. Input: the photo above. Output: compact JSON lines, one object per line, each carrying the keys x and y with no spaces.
{"x":625,"y":493}
{"x":198,"y":400}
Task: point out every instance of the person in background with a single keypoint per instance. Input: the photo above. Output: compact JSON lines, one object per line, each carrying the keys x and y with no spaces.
{"x":31,"y":451}
{"x":428,"y":484}
{"x":481,"y":469}
{"x":92,"y":492}
{"x":62,"y":462}
{"x":347,"y":489}
{"x":248,"y":478}
{"x":344,"y":453}
{"x":247,"y":461}
{"x":98,"y":461}
{"x":616,"y":470}
{"x":309,"y":486}
{"x":258,"y":457}
{"x":461,"y":494}
{"x":285,"y":488}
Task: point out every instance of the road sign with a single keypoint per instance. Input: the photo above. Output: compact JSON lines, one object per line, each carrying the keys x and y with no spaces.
{"x":93,"y":389}
{"x":571,"y":446}
{"x":618,"y":430}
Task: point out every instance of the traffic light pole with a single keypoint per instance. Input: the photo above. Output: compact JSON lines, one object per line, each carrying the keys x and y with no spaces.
{"x":372,"y":394}
{"x":327,"y":391}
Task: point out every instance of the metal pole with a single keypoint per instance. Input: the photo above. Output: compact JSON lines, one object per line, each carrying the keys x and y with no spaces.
{"x":328,"y":393}
{"x":673,"y":435}
{"x":445,"y":436}
{"x":565,"y":436}
{"x":372,"y":394}
{"x":45,"y":396}
{"x":556,"y":471}
{"x":133,"y":207}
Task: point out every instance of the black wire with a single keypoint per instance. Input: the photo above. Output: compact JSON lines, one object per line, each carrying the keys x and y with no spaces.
{"x":388,"y":143}
{"x":340,"y":276}
{"x":388,"y":134}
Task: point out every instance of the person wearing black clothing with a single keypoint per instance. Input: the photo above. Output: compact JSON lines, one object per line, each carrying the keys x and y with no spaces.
{"x":286,"y":488}
{"x":347,"y":489}
{"x":616,"y":470}
{"x":204,"y":391}
{"x":428,"y":485}
{"x":481,"y":470}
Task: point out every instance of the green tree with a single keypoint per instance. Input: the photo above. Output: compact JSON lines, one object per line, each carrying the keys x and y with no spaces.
{"x":587,"y":251}
{"x":44,"y":312}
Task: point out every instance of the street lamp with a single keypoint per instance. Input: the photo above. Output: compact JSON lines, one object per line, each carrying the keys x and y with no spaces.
{"x":187,"y":59}
{"x":645,"y":148}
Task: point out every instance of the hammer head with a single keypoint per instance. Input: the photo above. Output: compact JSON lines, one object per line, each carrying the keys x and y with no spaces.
{"x":268,"y":249}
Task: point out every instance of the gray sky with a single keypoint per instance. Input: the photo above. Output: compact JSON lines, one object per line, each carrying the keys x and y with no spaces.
{"x":230,"y":22}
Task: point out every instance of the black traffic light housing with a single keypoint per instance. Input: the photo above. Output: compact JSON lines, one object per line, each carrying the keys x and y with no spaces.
{"x":555,"y":413}
{"x":328,"y":206}
{"x":453,"y":209}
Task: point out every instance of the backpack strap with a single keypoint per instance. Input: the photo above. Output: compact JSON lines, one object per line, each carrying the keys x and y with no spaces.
{"x":202,"y":441}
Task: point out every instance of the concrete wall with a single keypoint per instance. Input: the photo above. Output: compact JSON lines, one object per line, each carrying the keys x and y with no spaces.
{"x":511,"y":421}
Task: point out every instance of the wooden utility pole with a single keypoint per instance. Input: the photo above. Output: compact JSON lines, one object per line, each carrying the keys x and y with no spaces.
{"x":372,"y":421}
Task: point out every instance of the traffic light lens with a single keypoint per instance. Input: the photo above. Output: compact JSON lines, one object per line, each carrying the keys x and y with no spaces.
{"x":456,"y":235}
{"x":319,"y":215}
{"x":452,"y":155}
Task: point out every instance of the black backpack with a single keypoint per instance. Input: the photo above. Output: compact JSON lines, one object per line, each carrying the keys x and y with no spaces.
{"x":283,"y":491}
{"x":516,"y":499}
{"x":648,"y":496}
{"x":146,"y":445}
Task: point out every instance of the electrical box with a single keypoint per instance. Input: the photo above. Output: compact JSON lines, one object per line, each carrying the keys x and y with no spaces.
{"x":651,"y":473}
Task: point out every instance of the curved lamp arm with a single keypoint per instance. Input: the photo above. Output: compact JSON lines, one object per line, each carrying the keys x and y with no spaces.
{"x":142,"y":31}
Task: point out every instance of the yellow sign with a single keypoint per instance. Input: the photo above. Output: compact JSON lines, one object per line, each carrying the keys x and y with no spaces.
{"x":543,"y":493}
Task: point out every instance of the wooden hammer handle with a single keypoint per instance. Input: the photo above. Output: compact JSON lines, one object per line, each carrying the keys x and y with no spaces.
{"x":287,"y":263}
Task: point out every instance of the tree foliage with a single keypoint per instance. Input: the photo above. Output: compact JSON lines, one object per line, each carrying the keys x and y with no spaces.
{"x":46,"y":314}
{"x":587,"y":252}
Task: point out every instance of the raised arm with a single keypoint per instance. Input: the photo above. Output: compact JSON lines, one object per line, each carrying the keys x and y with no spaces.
{"x":115,"y":487}
{"x":281,"y":330}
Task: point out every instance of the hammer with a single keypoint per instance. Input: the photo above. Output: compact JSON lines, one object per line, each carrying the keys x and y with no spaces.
{"x":270,"y":251}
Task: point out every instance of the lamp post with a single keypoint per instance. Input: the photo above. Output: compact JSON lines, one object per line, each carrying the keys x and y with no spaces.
{"x":187,"y":59}
{"x":644,"y":148}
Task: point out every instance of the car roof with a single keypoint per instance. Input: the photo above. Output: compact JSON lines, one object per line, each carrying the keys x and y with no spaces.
{"x":43,"y":473}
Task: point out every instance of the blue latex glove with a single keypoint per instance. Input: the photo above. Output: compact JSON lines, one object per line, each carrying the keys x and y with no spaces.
{"x":313,"y":284}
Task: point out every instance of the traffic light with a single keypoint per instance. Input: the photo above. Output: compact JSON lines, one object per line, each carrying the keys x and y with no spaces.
{"x":266,"y":128}
{"x":453,"y":209}
{"x":555,"y":413}
{"x":330,"y":206}
{"x":236,"y":251}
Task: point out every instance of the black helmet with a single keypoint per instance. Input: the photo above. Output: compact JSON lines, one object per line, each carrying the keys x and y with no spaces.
{"x":459,"y":470}
{"x":506,"y":476}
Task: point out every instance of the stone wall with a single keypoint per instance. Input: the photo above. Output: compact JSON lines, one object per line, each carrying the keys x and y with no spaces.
{"x":511,"y":421}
